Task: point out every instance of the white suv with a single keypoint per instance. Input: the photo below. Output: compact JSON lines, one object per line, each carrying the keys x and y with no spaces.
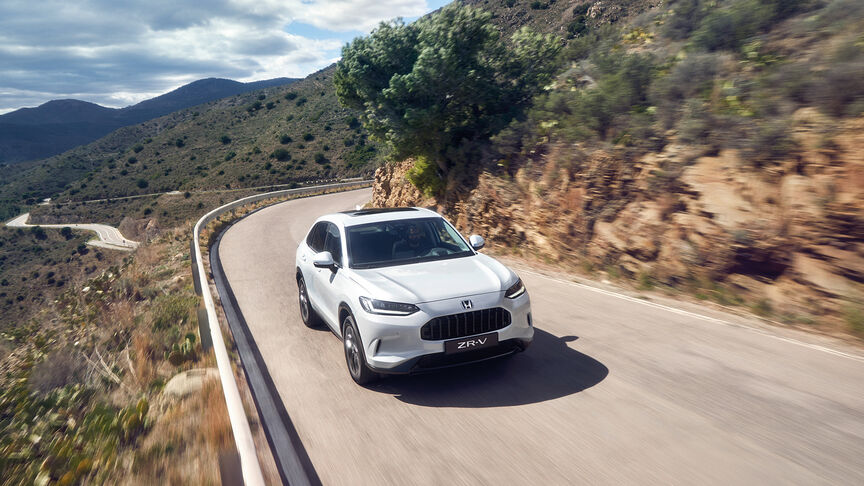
{"x":407,"y":293}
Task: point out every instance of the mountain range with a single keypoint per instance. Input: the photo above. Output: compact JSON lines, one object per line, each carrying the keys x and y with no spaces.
{"x":59,"y":125}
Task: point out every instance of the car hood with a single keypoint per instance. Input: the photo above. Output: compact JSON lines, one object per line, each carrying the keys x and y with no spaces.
{"x":437,"y":280}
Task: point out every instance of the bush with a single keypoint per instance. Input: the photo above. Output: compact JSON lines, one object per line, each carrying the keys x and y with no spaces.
{"x":38,"y":233}
{"x":282,"y":154}
{"x":841,"y":91}
{"x":66,"y":232}
{"x":352,"y":122}
{"x":728,"y":27}
{"x":320,"y":158}
{"x":179,"y":143}
{"x":308,"y":137}
{"x":424,"y":176}
{"x":225,"y":139}
{"x":172,"y":310}
{"x":359,"y":156}
{"x":285,"y":139}
{"x":290,"y":95}
{"x":142,"y":183}
{"x":692,"y":77}
{"x":137,"y":148}
{"x":59,"y":368}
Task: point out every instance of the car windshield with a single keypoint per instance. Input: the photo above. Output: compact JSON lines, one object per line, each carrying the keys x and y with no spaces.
{"x":402,"y":242}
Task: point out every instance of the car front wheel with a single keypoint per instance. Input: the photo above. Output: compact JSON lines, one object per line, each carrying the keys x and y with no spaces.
{"x":354,"y":355}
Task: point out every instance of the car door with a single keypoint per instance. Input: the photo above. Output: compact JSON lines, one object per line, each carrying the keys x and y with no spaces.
{"x":328,"y":282}
{"x":314,"y":244}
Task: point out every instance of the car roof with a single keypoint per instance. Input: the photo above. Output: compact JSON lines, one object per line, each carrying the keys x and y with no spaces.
{"x":375,"y":215}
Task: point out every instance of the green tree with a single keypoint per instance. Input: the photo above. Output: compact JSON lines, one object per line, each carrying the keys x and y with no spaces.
{"x":432,"y":88}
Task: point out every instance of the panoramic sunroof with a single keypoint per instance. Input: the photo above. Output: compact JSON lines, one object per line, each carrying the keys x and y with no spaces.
{"x":364,"y":212}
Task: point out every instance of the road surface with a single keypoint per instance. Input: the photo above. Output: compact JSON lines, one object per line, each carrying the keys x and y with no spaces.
{"x":615,"y":390}
{"x":108,"y":236}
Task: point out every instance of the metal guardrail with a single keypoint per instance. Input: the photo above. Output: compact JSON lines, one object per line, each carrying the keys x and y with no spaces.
{"x":252,"y":474}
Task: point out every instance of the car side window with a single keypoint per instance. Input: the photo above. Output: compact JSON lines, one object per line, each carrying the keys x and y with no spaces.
{"x":315,"y":240}
{"x":333,"y":243}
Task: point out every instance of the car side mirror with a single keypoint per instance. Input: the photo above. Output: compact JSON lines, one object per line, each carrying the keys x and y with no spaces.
{"x":476,"y":241}
{"x":324,"y":260}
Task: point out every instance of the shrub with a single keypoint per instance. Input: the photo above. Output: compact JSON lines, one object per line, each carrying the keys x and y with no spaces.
{"x":282,"y":154}
{"x":137,"y":148}
{"x":38,"y":233}
{"x":225,"y":139}
{"x":285,"y":139}
{"x":66,"y":232}
{"x":692,"y":77}
{"x":841,"y":91}
{"x":179,"y":142}
{"x":308,"y":137}
{"x":424,"y":176}
{"x":290,"y":95}
{"x":300,"y":102}
{"x":172,"y":310}
{"x":132,"y":160}
{"x":359,"y":156}
{"x":59,"y":368}
{"x":320,"y":158}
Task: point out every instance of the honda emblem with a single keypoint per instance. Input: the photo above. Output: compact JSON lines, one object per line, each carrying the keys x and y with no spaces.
{"x":467,"y":304}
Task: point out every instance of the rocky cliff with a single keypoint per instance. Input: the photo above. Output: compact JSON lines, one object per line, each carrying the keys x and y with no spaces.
{"x":786,"y":238}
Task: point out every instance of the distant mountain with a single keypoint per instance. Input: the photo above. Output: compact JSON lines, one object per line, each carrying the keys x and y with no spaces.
{"x":59,"y":125}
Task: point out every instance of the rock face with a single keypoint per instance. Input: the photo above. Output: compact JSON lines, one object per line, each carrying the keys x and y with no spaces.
{"x":790,"y":233}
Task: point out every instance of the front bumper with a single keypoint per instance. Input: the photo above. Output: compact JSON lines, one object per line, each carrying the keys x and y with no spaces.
{"x":393,"y":344}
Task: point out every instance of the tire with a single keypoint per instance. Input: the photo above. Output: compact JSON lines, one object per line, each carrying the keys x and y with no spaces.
{"x":355,"y":358}
{"x":307,"y":313}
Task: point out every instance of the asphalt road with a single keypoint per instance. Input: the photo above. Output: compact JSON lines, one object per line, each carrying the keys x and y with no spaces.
{"x":614,"y":390}
{"x":107,"y":236}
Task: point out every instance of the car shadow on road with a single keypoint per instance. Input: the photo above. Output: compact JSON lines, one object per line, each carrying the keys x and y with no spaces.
{"x":549,"y":369}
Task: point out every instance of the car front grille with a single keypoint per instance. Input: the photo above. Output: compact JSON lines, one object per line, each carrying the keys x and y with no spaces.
{"x":465,"y":324}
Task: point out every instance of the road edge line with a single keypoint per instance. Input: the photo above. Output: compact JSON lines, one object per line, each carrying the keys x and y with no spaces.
{"x":696,"y":315}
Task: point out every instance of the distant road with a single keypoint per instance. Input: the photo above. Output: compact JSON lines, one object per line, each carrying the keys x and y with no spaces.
{"x":614,"y":390}
{"x":108,"y":236}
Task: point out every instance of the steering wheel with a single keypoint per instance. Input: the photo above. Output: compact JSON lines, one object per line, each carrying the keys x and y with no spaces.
{"x":435,"y":252}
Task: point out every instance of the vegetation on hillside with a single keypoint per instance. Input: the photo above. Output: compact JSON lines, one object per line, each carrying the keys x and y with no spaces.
{"x":81,"y":380}
{"x":435,"y":88}
{"x":713,"y":74}
{"x":279,"y":135}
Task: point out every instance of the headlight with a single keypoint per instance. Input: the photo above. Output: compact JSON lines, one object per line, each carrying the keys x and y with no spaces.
{"x":515,"y":290}
{"x":374,"y":306}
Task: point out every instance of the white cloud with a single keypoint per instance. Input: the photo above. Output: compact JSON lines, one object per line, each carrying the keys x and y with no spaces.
{"x":118,"y":53}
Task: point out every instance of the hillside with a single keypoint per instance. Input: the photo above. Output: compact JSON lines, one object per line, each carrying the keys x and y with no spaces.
{"x":56,"y":126}
{"x":710,"y":148}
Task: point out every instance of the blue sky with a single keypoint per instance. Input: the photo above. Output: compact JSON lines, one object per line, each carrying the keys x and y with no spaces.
{"x":119,"y":52}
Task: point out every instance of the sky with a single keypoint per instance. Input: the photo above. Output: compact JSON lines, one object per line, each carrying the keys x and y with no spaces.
{"x":119,"y":52}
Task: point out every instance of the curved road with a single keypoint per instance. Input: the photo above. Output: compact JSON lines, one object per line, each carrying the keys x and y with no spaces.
{"x":108,"y":236}
{"x":614,"y":390}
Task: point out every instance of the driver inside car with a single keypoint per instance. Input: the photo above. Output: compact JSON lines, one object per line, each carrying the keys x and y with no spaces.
{"x":414,"y":243}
